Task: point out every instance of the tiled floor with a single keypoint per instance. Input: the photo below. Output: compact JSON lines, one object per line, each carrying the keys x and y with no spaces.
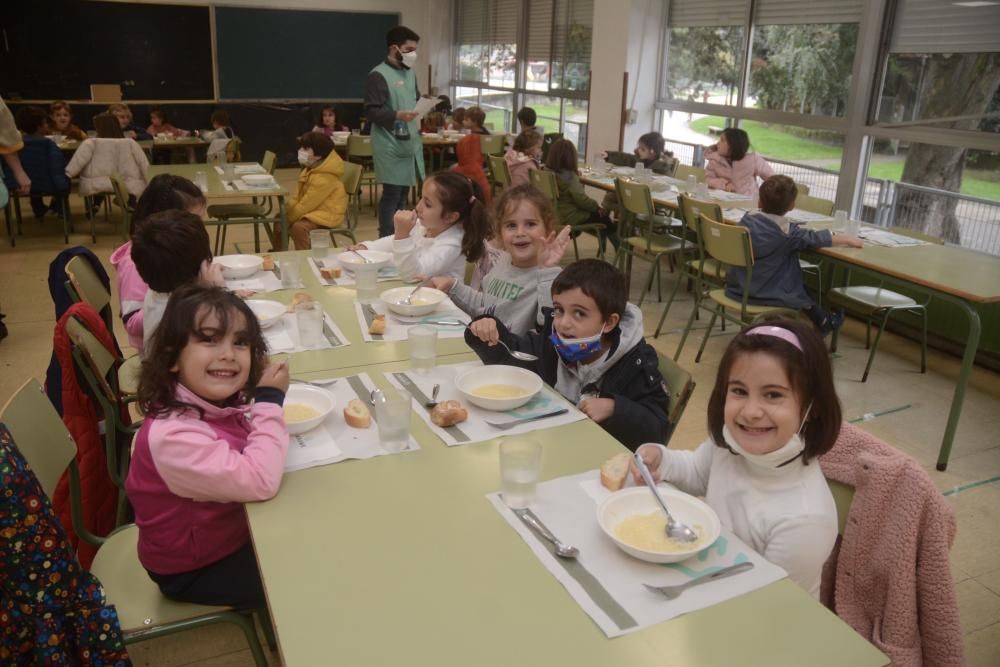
{"x":916,"y":407}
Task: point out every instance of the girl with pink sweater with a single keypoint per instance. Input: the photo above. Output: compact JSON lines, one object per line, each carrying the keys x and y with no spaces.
{"x":214,"y":438}
{"x":731,"y":168}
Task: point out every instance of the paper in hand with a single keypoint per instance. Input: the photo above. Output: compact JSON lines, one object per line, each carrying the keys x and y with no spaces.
{"x":425,"y":105}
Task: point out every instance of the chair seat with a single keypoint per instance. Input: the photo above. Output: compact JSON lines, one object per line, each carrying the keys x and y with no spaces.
{"x":224,"y":211}
{"x":720,"y":297}
{"x":128,"y":587}
{"x":871,"y":298}
{"x":656,"y":246}
{"x":808,"y":266}
{"x":128,"y":375}
{"x":714,"y":270}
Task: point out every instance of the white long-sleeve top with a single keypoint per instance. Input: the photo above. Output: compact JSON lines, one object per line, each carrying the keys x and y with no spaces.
{"x":425,"y":256}
{"x":786,"y":514}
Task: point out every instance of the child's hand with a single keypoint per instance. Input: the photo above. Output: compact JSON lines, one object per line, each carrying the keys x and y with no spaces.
{"x":553,"y":248}
{"x":730,"y":187}
{"x":598,"y":409}
{"x":486,"y":330}
{"x":404,"y":222}
{"x":358,"y":246}
{"x":652,"y":456}
{"x":443,"y":283}
{"x":276,"y":376}
{"x":210,"y":275}
{"x":604,"y":155}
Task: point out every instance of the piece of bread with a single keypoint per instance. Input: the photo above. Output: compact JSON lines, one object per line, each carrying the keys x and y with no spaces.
{"x":299,"y":299}
{"x":449,"y":413}
{"x":330,"y":272}
{"x":356,"y":414}
{"x":377,"y":327}
{"x":268,"y":263}
{"x":614,"y":471}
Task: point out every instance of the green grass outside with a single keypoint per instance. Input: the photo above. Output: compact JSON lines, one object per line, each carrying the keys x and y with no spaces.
{"x":772,"y":142}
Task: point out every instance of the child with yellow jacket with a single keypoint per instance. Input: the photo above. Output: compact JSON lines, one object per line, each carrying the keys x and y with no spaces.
{"x":320,"y":200}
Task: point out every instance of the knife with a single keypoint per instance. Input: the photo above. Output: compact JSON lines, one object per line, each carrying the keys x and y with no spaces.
{"x":514,"y":422}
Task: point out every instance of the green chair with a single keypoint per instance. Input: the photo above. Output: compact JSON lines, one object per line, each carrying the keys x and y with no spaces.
{"x":701,"y":270}
{"x":257,"y":209}
{"x":143,"y":612}
{"x":653,"y":240}
{"x":352,"y":188}
{"x":679,"y":385}
{"x":233,"y":152}
{"x":546,"y":182}
{"x":499,"y":172}
{"x":14,"y":205}
{"x":492,"y":144}
{"x":83,"y":285}
{"x":730,"y":244}
{"x":683,"y":171}
{"x":813,"y":204}
{"x":359,"y":150}
{"x":802,"y":188}
{"x":120,"y":195}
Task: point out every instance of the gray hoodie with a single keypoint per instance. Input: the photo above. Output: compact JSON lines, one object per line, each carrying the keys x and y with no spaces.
{"x":571,"y":381}
{"x":512,"y":295}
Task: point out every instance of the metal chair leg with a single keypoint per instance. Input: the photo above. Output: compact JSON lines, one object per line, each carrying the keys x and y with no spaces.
{"x":687,"y":330}
{"x":708,"y":332}
{"x":923,"y":342}
{"x":666,"y":309}
{"x":878,"y":335}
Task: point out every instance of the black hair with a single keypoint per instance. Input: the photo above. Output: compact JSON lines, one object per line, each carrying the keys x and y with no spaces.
{"x":107,"y":126}
{"x":159,"y":112}
{"x":221,"y":116}
{"x":527,"y":116}
{"x":168,"y":249}
{"x":460,"y":194}
{"x":599,"y":280}
{"x":777,"y":195}
{"x":444,"y":106}
{"x":653,"y":141}
{"x":807,"y":369}
{"x":739,"y":143}
{"x":186,"y":310}
{"x":332,"y":109}
{"x":163,"y":193}
{"x":320,"y":144}
{"x":400,"y":35}
{"x":31,"y":119}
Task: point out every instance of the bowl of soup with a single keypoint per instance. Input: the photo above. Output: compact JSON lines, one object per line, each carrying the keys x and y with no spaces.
{"x":235,"y":267}
{"x":268,"y":312}
{"x":350,"y":261}
{"x":423,"y":302}
{"x":498,"y":388}
{"x":306,"y":407}
{"x":635,"y":523}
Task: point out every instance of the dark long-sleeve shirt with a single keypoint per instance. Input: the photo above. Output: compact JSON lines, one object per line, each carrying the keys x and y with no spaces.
{"x":377,"y":109}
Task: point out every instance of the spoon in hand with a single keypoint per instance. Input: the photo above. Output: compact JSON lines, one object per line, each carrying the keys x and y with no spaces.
{"x":517,"y":354}
{"x":365,"y":259}
{"x":675,"y":530}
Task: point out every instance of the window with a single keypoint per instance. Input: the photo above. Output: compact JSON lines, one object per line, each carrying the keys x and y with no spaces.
{"x":703,"y":51}
{"x":487,"y":41}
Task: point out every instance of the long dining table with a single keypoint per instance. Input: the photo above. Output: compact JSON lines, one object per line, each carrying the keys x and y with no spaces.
{"x":401,"y":559}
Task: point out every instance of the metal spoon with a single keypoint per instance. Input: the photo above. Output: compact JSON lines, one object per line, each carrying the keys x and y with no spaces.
{"x":434,"y":397}
{"x":563,"y":550}
{"x":675,"y":530}
{"x":406,"y":301}
{"x":365,"y":259}
{"x":517,"y":354}
{"x":325,"y":382}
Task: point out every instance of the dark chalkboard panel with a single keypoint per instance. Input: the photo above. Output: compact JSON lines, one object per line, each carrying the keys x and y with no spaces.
{"x":55,"y":50}
{"x":292,"y":54}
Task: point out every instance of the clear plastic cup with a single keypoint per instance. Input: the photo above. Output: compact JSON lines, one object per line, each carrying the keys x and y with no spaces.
{"x":366,"y":283}
{"x":228,"y":173}
{"x":356,"y":132}
{"x":840,"y":221}
{"x":201,"y":180}
{"x":392,"y":416}
{"x":423,"y":346}
{"x":309,"y":318}
{"x":290,"y":276}
{"x":692,"y":183}
{"x":319,"y":241}
{"x":520,"y":468}
{"x":702,"y":191}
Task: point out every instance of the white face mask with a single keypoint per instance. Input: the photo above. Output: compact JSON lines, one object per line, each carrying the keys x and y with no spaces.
{"x":778,"y":457}
{"x":409,"y":59}
{"x":306,"y":158}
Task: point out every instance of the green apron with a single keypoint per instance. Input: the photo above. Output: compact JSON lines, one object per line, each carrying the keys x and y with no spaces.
{"x":398,"y":162}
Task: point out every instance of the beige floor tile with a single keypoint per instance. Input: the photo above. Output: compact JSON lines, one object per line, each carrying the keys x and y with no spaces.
{"x":202,"y":646}
{"x":991,"y":580}
{"x":982,"y":647}
{"x":24,"y":354}
{"x":977,"y":545}
{"x":978,"y":606}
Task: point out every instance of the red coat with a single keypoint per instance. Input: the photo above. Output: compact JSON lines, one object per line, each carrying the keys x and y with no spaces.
{"x":98,"y":492}
{"x":470,"y":163}
{"x":889,"y":578}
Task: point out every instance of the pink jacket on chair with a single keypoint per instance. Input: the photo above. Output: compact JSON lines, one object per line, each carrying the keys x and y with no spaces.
{"x":889,"y":577}
{"x":742,"y":173}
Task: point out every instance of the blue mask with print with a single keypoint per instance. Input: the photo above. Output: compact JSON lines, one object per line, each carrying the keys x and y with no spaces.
{"x":573,"y":350}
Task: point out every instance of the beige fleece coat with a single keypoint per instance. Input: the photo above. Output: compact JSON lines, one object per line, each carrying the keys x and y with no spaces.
{"x":97,"y":159}
{"x":889,"y":576}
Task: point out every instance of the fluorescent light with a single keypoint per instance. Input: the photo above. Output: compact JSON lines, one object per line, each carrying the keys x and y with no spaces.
{"x":976,"y":3}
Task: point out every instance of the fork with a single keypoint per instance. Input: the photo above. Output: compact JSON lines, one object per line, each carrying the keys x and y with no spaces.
{"x":673,"y":592}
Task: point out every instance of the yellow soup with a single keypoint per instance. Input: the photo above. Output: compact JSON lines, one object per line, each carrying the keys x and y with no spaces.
{"x":498,"y":391}
{"x":646,"y":532}
{"x":297,"y":412}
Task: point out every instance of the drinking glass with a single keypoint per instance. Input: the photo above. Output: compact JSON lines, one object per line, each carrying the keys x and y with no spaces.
{"x":692,"y":183}
{"x":309,"y":317}
{"x":201,"y":180}
{"x":702,"y":190}
{"x":840,"y":221}
{"x":290,"y":277}
{"x":356,"y":132}
{"x":319,"y":240}
{"x":228,"y":173}
{"x":639,"y":171}
{"x":366,"y":283}
{"x":423,"y":346}
{"x":392,"y":416}
{"x":520,"y":468}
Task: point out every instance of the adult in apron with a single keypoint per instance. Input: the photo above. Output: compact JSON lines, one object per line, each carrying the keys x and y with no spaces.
{"x":390,"y":96}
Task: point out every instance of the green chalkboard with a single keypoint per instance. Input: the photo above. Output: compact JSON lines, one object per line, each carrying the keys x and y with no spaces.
{"x":297,"y":54}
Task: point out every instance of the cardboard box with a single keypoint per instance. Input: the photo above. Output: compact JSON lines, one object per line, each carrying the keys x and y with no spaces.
{"x":105,"y":92}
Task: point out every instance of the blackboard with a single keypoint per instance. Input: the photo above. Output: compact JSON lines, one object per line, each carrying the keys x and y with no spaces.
{"x":295,"y":54}
{"x":55,"y":50}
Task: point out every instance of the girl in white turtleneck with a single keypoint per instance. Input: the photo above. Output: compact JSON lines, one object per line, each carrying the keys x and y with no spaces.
{"x":773,"y":410}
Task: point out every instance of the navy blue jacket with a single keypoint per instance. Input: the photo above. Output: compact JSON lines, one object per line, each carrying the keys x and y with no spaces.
{"x":45,"y":165}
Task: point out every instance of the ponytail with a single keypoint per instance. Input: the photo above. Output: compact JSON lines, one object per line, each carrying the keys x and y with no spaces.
{"x":464,"y":196}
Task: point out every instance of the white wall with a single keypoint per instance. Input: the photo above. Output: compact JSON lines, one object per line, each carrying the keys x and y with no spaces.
{"x":431,"y":19}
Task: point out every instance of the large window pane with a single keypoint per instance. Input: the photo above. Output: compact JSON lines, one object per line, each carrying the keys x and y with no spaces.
{"x":574,"y":125}
{"x":802,"y":68}
{"x":465,"y":97}
{"x":499,"y":108}
{"x":703,"y":63}
{"x":547,"y":110}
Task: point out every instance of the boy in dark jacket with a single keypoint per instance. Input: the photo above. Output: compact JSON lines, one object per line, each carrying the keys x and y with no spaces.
{"x":42,"y":161}
{"x":592,"y":351}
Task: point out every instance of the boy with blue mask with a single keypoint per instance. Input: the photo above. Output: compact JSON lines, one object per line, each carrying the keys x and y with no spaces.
{"x":592,"y":351}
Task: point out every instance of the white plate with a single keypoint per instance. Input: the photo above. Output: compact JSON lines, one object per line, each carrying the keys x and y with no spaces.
{"x":350,"y":261}
{"x":683,"y":507}
{"x":424,"y":302}
{"x":235,"y":267}
{"x":303,"y":394}
{"x":498,"y":374}
{"x":267,"y":312}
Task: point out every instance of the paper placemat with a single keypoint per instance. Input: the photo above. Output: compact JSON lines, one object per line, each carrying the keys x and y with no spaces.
{"x":262,"y":281}
{"x":254,"y":168}
{"x":722,"y":195}
{"x":606,"y":582}
{"x":283,"y":336}
{"x":475,"y":428}
{"x":246,"y":187}
{"x":398,"y":327}
{"x":805,"y":217}
{"x":334,"y":440}
{"x":882,"y":237}
{"x":385,"y":274}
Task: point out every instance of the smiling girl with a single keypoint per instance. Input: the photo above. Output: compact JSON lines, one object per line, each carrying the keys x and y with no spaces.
{"x":520,"y":283}
{"x":448,"y":228}
{"x":773,"y":410}
{"x":204,"y":448}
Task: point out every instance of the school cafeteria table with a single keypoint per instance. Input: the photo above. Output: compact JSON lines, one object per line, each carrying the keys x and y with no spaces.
{"x":401,"y":560}
{"x":218,"y":190}
{"x":69,"y":146}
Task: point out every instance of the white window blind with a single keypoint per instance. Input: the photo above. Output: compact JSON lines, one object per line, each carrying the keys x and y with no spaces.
{"x":472,"y":28}
{"x":488,"y":22}
{"x":571,"y":31}
{"x":938,"y":26}
{"x":799,"y":12}
{"x":703,"y":13}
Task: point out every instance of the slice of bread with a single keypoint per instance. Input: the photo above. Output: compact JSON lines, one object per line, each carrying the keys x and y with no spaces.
{"x":377,"y":327}
{"x":330,"y":272}
{"x":614,"y":471}
{"x":356,"y":414}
